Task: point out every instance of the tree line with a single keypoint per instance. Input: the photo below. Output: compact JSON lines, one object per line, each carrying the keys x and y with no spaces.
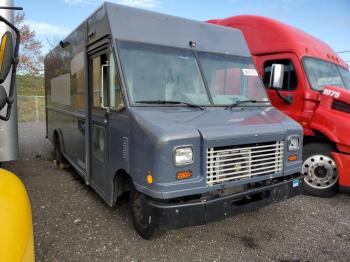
{"x":30,"y":51}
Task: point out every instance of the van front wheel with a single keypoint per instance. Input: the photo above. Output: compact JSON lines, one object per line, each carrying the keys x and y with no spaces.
{"x":142,"y":224}
{"x":320,"y":170}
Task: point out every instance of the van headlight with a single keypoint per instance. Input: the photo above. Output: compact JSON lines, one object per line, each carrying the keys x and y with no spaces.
{"x":183,"y":156}
{"x":293,"y":143}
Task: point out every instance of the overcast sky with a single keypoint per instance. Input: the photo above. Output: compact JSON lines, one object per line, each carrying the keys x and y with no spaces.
{"x":327,"y":20}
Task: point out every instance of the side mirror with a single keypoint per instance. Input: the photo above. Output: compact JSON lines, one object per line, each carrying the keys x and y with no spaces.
{"x":6,"y":55}
{"x":276,"y":77}
{"x":3,"y":97}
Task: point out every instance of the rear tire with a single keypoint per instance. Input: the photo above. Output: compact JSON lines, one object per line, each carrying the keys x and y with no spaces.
{"x":320,"y":170}
{"x":59,"y":160}
{"x":141,"y":223}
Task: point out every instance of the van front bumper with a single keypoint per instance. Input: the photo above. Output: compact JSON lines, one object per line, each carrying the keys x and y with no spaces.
{"x":167,"y":215}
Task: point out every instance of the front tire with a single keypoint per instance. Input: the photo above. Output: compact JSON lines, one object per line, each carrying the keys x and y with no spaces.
{"x":320,"y":170}
{"x":142,"y":223}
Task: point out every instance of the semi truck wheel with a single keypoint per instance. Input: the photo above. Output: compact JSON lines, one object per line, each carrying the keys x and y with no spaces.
{"x":320,"y":170}
{"x":141,"y":223}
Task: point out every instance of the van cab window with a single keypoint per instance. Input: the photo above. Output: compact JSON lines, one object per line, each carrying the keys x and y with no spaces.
{"x":115,"y":99}
{"x":290,"y":77}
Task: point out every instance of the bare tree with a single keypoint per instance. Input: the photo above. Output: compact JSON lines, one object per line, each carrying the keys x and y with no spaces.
{"x":52,"y":42}
{"x":30,"y":55}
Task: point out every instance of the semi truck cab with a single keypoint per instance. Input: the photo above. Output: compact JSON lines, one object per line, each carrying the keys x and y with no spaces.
{"x":315,"y":92}
{"x":152,"y":105}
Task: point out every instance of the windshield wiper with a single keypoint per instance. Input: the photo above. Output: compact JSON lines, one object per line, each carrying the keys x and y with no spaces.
{"x":170,"y":102}
{"x":243,"y":102}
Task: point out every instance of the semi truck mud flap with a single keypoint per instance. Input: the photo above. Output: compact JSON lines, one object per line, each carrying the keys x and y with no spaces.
{"x":170,"y":216}
{"x":343,"y":164}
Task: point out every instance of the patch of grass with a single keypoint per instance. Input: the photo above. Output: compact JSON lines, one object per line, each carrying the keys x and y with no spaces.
{"x":30,"y":85}
{"x":30,"y":108}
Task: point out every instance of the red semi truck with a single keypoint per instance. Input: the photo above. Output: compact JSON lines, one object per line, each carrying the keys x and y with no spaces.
{"x":314,"y":90}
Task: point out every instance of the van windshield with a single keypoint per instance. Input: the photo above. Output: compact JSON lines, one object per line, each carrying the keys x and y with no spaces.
{"x":321,"y":73}
{"x":157,"y":74}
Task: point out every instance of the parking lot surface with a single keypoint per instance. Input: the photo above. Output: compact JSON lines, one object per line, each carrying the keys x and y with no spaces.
{"x":71,"y":222}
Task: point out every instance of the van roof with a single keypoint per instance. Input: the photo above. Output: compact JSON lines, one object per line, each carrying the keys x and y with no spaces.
{"x":265,"y":35}
{"x":144,"y":26}
{"x":134,"y":24}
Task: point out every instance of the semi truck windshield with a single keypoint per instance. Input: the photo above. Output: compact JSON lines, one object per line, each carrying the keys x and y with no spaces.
{"x":321,"y":73}
{"x":158,"y":73}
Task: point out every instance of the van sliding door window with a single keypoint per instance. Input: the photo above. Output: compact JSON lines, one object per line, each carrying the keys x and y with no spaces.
{"x":99,"y":81}
{"x":99,"y":143}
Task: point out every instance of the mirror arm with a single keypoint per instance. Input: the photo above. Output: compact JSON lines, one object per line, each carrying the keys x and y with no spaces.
{"x":287,"y":99}
{"x":8,"y":110}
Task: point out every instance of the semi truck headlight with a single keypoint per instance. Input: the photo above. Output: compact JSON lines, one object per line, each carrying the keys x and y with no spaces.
{"x":183,"y":156}
{"x":293,"y":143}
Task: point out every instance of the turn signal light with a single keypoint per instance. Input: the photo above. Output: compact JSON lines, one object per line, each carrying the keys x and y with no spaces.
{"x":149,"y":179}
{"x":183,"y":175}
{"x":292,"y":158}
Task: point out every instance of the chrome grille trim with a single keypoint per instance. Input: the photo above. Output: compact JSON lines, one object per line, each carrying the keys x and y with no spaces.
{"x":240,"y":162}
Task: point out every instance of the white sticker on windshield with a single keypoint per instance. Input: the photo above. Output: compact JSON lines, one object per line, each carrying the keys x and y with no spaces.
{"x":249,"y":72}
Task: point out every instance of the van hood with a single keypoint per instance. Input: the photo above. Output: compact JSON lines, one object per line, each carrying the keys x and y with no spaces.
{"x":216,"y":123}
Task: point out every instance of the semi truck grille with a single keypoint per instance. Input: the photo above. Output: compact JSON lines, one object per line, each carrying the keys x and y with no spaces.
{"x":244,"y":161}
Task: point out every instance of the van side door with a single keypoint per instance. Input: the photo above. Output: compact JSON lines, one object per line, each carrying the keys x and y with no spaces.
{"x":98,"y":83}
{"x":109,"y":123}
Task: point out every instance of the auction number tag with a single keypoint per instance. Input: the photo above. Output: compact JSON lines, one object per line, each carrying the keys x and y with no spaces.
{"x":331,"y":93}
{"x":249,"y":72}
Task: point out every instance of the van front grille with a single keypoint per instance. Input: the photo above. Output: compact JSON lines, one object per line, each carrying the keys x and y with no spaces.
{"x":244,"y":161}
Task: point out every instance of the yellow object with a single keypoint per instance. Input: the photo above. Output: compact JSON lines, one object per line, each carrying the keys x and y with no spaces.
{"x":16,"y":229}
{"x":184,"y":175}
{"x":150,"y":179}
{"x":292,"y":158}
{"x":2,"y":49}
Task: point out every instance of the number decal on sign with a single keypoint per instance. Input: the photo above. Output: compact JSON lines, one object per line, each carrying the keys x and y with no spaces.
{"x":331,"y":93}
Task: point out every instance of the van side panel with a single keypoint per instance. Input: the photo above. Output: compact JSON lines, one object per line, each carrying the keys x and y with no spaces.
{"x":67,"y":96}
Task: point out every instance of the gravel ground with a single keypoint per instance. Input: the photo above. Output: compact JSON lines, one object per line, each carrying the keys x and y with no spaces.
{"x":71,"y":223}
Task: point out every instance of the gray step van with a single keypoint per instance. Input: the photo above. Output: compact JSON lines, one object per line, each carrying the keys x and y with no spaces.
{"x":172,"y":112}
